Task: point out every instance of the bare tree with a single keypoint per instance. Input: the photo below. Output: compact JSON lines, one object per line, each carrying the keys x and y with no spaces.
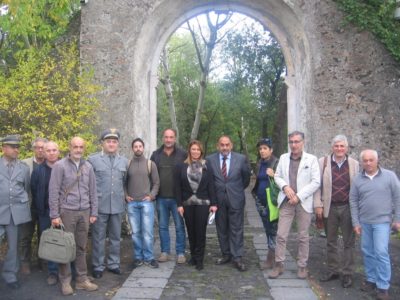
{"x":204,"y":49}
{"x":166,"y":81}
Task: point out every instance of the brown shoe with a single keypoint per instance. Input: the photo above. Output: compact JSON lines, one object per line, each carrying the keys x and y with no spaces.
{"x":66,"y":289}
{"x":302,"y":273}
{"x":25,"y":269}
{"x":276,"y":271}
{"x":368,"y":286}
{"x":163,"y":257}
{"x":382,"y":294}
{"x":86,"y":285}
{"x":52,"y":279}
{"x":270,"y":262}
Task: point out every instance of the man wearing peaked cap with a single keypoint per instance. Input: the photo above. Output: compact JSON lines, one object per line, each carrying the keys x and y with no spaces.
{"x":110,"y":169}
{"x":14,"y":203}
{"x":110,"y":134}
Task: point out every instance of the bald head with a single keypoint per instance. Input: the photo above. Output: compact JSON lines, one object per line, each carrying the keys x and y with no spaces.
{"x":76,"y":148}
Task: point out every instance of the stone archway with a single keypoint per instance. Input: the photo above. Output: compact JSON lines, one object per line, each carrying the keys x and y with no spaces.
{"x":143,"y":49}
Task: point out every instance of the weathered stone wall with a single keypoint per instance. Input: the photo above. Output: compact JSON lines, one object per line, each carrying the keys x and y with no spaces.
{"x":356,"y":86}
{"x":339,"y":80}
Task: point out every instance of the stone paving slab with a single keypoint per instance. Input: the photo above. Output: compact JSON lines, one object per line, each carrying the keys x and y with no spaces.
{"x":293,"y":294}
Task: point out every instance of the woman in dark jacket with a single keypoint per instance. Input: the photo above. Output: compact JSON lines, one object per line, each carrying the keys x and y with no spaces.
{"x":195,"y":199}
{"x":265,"y":169}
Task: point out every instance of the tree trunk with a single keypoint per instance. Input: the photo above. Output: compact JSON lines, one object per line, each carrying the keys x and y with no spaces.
{"x":279,"y":136}
{"x":166,"y":81}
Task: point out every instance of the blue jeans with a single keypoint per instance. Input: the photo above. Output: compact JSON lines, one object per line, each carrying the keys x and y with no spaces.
{"x":165,"y":206}
{"x":141,"y":218}
{"x":375,"y":248}
{"x":44,"y":223}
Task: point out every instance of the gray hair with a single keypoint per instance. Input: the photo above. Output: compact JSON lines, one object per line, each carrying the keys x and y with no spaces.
{"x":39,"y":139}
{"x":340,"y":138}
{"x":296,"y":132}
{"x":51,"y":142}
{"x":374,"y":153}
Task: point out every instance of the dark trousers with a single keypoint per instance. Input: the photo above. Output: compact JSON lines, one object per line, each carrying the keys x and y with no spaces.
{"x":196,"y":217}
{"x":340,"y":218}
{"x":45,"y":223}
{"x":77,"y":222}
{"x":25,"y":236}
{"x":229,"y":222}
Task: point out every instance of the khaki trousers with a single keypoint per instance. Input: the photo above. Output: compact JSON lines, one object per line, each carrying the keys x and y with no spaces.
{"x":287,"y":212}
{"x":77,"y":222}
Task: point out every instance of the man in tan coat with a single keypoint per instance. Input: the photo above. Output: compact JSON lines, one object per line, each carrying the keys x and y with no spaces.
{"x":331,"y":202}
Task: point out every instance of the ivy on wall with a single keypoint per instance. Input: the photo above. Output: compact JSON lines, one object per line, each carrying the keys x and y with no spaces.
{"x":376,"y":16}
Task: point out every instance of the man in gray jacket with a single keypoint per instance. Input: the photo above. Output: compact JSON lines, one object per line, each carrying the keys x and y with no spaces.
{"x":14,"y":204}
{"x":110,"y":169}
{"x":73,"y":203}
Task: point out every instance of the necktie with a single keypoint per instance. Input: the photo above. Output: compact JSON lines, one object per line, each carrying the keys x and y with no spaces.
{"x":223,"y":169}
{"x":10,"y":168}
{"x":112,"y":157}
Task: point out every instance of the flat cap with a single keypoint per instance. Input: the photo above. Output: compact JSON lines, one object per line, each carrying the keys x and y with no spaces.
{"x":111,"y":133}
{"x":13,"y":139}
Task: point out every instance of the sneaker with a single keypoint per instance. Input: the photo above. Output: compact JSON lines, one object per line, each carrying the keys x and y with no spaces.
{"x":66,"y":289}
{"x":137,"y":263}
{"x":86,"y":285}
{"x":163,"y":257}
{"x":181,"y":259}
{"x":151,"y":263}
{"x":52,"y":279}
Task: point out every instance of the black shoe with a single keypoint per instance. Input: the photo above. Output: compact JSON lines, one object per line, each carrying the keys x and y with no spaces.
{"x":240,"y":265}
{"x":192,"y":261}
{"x":97,"y":274}
{"x":116,"y":271}
{"x":328,"y":277}
{"x":13,"y":285}
{"x":347,"y":281}
{"x":152,"y":264}
{"x":137,"y":263}
{"x":223,"y":260}
{"x":199,"y":266}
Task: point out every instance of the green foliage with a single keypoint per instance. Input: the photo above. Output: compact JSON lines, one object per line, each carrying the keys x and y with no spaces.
{"x":45,"y":91}
{"x":47,"y":95}
{"x":375,"y":16}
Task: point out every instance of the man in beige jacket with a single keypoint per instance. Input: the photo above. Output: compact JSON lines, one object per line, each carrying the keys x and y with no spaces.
{"x":331,"y":202}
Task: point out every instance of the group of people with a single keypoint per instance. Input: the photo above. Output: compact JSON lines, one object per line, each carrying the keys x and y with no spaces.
{"x":349,"y":200}
{"x":78,"y":193}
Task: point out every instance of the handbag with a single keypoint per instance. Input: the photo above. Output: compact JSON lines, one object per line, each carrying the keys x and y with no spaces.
{"x":272,"y":192}
{"x":57,"y":245}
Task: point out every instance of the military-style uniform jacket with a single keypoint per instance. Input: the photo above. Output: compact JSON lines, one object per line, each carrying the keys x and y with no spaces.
{"x":14,"y":201}
{"x":110,"y":180}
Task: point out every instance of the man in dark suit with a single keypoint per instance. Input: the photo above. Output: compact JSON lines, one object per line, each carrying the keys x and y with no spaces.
{"x":14,"y":204}
{"x":231,"y":173}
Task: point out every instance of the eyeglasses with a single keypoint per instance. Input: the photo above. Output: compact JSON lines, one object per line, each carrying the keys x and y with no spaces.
{"x":295,"y":142}
{"x":265,"y":140}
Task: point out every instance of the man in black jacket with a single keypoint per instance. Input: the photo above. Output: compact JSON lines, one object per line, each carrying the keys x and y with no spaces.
{"x":40,"y":197}
{"x":166,"y":158}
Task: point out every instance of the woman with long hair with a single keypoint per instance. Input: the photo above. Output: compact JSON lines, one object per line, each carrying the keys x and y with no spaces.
{"x":195,"y":199}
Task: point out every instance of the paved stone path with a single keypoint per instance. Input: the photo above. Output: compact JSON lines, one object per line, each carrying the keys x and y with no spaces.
{"x":172,"y":281}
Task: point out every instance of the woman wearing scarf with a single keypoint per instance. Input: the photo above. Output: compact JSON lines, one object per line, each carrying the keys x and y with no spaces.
{"x":195,"y":199}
